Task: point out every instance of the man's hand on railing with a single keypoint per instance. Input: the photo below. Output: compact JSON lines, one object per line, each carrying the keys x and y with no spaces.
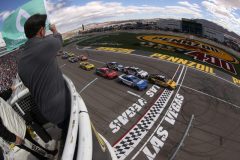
{"x":13,"y":88}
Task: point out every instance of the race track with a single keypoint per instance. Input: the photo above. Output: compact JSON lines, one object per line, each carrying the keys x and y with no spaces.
{"x":150,"y":124}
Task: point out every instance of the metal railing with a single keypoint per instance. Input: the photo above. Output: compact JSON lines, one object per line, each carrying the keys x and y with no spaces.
{"x":79,"y":124}
{"x":70,"y":144}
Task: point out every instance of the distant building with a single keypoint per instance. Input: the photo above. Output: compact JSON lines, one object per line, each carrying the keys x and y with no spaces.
{"x":213,"y":34}
{"x":232,"y":42}
{"x":169,"y":24}
{"x":211,"y":30}
{"x":192,"y":27}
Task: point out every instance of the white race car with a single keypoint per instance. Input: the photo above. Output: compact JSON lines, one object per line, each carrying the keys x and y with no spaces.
{"x":136,"y":72}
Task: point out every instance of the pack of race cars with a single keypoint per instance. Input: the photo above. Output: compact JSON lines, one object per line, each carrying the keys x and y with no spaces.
{"x":72,"y":58}
{"x":131,"y":76}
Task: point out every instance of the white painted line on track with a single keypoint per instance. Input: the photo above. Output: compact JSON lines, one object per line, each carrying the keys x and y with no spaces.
{"x":139,"y":123}
{"x":176,"y":71}
{"x":211,"y":96}
{"x":133,"y":137}
{"x":222,"y":79}
{"x":134,"y":94}
{"x":87,"y":85}
{"x":159,"y":125}
{"x":180,"y":74}
{"x":62,"y":66}
{"x":214,"y":75}
{"x":97,"y":61}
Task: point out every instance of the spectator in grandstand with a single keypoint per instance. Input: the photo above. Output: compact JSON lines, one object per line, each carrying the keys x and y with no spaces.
{"x":39,"y":71}
{"x":13,"y":128}
{"x":8,"y":70}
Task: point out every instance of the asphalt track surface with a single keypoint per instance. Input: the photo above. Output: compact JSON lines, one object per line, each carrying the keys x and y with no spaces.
{"x":215,"y":104}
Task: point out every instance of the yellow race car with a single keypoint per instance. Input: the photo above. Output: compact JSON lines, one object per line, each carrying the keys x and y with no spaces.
{"x":86,"y":65}
{"x":71,"y":54}
{"x":162,"y":81}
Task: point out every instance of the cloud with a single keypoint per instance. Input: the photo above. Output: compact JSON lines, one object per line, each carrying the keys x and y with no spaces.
{"x":71,"y":17}
{"x":223,"y":12}
{"x":194,"y":6}
{"x":55,"y":6}
{"x":228,"y":3}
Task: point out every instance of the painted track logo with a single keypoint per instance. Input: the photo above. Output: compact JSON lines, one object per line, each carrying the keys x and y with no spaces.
{"x":189,"y":45}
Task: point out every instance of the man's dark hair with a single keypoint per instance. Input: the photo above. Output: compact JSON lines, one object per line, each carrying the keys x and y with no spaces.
{"x":33,"y":24}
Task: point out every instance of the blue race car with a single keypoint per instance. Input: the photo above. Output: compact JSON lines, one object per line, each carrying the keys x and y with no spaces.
{"x":133,"y":81}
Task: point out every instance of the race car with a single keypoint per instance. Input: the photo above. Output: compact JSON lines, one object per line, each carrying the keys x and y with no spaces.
{"x":106,"y":73}
{"x":136,"y":72}
{"x":161,"y":80}
{"x":82,"y":58}
{"x":133,"y":81}
{"x":115,"y":66}
{"x":65,"y":56}
{"x":86,"y":65}
{"x":73,"y":59}
{"x":70,"y":54}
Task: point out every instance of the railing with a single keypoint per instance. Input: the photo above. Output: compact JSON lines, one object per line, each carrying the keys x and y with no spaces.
{"x":79,"y":125}
{"x":70,"y":144}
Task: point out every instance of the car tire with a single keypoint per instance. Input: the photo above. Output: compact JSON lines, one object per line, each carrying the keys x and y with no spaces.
{"x":137,"y":88}
{"x":134,"y":86}
{"x":119,"y":80}
{"x":170,"y":88}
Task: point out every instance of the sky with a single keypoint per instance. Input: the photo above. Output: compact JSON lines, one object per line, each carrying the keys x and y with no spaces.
{"x":71,"y":14}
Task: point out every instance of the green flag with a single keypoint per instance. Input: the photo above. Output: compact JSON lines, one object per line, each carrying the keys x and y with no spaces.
{"x":13,"y":25}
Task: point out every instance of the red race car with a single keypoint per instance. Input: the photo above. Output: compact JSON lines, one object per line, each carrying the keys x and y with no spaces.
{"x":106,"y":73}
{"x":82,"y":58}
